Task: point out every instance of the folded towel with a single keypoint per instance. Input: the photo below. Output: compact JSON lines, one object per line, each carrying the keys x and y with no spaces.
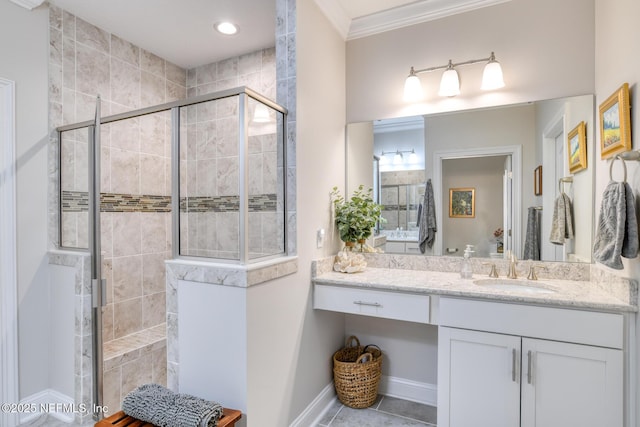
{"x":562,"y":221}
{"x":617,"y":229}
{"x":160,"y":406}
{"x":427,"y":221}
{"x":532,"y":240}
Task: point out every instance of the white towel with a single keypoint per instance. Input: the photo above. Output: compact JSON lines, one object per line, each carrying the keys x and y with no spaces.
{"x":617,"y":231}
{"x":427,"y":220}
{"x":562,"y":222}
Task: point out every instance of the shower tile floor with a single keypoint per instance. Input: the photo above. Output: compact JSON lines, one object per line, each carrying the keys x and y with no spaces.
{"x":386,"y":412}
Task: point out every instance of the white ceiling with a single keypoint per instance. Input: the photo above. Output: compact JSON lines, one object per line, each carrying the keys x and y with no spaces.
{"x":181,"y":31}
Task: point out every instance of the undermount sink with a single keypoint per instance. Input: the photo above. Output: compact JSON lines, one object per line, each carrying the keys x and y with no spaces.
{"x":528,"y":286}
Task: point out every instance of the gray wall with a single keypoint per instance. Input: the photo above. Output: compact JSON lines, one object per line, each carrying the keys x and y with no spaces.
{"x":24,"y":47}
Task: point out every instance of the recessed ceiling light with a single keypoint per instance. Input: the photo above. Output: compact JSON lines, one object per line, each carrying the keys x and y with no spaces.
{"x":226,"y":28}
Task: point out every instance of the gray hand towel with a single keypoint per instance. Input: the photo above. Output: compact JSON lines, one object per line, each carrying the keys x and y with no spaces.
{"x":532,"y":241}
{"x":427,"y":221}
{"x":160,"y":406}
{"x":617,"y":230}
{"x":562,"y":221}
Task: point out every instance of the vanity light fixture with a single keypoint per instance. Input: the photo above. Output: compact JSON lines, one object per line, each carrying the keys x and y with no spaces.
{"x":398,"y":158}
{"x":450,"y":83}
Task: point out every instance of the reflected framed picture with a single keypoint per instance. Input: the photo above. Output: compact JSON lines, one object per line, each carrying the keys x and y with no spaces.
{"x":615,"y":123}
{"x":577,"y":148}
{"x":462,"y":203}
{"x":537,"y":181}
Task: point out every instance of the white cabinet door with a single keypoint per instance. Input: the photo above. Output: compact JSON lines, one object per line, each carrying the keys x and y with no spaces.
{"x":570,"y":385}
{"x":478,"y":379}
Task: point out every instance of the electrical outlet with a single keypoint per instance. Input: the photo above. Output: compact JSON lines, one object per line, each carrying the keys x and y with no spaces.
{"x":320,"y":238}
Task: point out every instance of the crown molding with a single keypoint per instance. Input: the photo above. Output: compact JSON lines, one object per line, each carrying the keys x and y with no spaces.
{"x":411,"y":14}
{"x":28,"y":4}
{"x":336,"y":15}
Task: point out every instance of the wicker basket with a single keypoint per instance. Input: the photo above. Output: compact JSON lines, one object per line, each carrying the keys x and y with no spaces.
{"x":356,"y":373}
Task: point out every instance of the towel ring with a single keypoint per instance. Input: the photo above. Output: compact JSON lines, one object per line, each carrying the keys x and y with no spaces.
{"x":624,"y":166}
{"x":562,"y":181}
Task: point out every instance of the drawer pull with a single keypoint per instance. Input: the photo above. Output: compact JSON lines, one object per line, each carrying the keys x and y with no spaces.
{"x":514,"y":364}
{"x":372,"y":304}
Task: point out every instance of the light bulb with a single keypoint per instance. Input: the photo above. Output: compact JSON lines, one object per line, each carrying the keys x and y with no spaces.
{"x":397,"y":159}
{"x":450,"y":83}
{"x":413,"y":157}
{"x":412,"y":88}
{"x":492,"y":75}
{"x":261,"y":114}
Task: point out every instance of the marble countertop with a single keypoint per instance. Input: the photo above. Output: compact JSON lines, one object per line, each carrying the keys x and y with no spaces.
{"x":568,"y":293}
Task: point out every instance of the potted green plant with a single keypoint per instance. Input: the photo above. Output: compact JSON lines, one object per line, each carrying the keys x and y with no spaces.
{"x":356,"y":217}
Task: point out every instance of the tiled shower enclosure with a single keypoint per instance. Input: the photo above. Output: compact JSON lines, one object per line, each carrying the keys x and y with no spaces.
{"x":136,"y":185}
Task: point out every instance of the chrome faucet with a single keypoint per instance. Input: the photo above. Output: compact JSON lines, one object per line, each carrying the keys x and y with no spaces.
{"x":513,"y":262}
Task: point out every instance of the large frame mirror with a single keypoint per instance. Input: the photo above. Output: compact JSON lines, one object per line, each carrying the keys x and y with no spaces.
{"x":504,"y":162}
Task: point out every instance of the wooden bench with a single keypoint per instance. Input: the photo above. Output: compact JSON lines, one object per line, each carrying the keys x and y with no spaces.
{"x":120,"y":419}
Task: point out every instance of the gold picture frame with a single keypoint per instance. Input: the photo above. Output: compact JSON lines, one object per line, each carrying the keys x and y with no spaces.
{"x":577,"y":148}
{"x":537,"y":181}
{"x":615,"y":123}
{"x":462,"y":203}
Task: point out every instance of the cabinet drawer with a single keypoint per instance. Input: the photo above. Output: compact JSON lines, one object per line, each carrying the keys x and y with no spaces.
{"x":412,"y":247}
{"x":394,"y":247}
{"x":369,"y":302}
{"x":581,"y":327}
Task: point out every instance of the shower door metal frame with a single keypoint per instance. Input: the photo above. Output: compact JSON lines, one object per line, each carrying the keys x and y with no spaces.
{"x":98,"y":284}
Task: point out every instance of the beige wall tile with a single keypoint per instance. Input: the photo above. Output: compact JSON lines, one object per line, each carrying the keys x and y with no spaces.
{"x":92,"y":36}
{"x":153,"y":310}
{"x":127,"y":317}
{"x":127,"y":277}
{"x":125,"y":51}
{"x":127,"y":234}
{"x":154,"y":239}
{"x":136,"y":373}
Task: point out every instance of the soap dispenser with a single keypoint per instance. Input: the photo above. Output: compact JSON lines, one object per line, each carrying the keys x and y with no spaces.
{"x":467,"y":272}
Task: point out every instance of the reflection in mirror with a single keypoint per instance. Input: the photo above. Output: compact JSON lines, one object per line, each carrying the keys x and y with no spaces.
{"x":477,"y":149}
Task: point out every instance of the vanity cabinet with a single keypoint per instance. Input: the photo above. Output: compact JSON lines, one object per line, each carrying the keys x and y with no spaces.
{"x":503,"y":371}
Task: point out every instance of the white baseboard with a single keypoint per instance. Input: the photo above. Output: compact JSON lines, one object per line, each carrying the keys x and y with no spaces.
{"x":405,"y":389}
{"x":400,"y":388}
{"x":316,"y":409}
{"x":51,"y":402}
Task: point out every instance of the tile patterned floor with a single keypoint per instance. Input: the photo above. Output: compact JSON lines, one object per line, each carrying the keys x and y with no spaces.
{"x":386,"y":412}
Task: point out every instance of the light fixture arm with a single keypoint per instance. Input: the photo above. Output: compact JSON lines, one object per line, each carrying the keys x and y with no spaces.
{"x":397,"y":152}
{"x":449,"y":65}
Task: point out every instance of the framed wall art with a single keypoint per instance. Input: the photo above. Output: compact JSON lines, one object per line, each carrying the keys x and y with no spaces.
{"x":577,"y":148}
{"x":615,"y":123}
{"x":462,"y":203}
{"x":537,"y":181}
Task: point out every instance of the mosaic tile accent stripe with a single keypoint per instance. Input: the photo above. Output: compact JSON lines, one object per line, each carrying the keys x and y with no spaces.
{"x":257,"y":203}
{"x":78,"y":201}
